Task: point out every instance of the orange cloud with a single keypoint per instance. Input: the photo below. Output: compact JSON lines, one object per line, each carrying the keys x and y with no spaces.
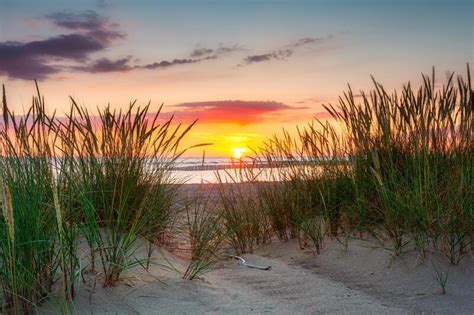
{"x":230,"y":111}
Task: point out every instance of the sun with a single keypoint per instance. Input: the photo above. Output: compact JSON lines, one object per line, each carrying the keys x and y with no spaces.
{"x":237,"y":153}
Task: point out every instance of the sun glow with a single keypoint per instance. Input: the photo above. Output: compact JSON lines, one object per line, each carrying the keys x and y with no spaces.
{"x":237,"y":152}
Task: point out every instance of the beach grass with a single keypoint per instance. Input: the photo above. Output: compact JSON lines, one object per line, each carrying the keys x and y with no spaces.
{"x":34,"y":247}
{"x":105,"y":178}
{"x":205,"y":235}
{"x":244,"y":221}
{"x":397,"y":167}
{"x":120,"y":170}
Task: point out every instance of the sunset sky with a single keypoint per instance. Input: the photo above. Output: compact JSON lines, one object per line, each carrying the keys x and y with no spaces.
{"x":245,"y":69}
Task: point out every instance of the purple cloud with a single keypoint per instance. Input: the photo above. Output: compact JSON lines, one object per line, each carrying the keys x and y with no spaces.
{"x":88,"y":22}
{"x":35,"y":59}
{"x":221,"y":50}
{"x":310,"y":41}
{"x":107,"y":65}
{"x":32,"y":59}
{"x":198,"y":55}
{"x":199,"y":52}
{"x":287,"y":51}
{"x":167,"y":64}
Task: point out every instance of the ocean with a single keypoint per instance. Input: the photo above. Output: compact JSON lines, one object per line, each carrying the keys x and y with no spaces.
{"x":196,"y":171}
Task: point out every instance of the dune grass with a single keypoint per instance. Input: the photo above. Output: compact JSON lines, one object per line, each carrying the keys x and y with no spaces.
{"x":205,"y":234}
{"x":34,"y":247}
{"x":397,"y":167}
{"x":244,"y":225}
{"x":105,"y":178}
{"x":120,"y":171}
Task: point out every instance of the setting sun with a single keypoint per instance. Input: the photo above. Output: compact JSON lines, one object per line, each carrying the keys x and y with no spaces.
{"x":237,"y":152}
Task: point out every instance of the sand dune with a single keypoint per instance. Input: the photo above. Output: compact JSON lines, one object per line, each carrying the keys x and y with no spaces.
{"x":362,"y":280}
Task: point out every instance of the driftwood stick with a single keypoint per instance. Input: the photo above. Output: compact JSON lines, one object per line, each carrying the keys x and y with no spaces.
{"x":244,"y":263}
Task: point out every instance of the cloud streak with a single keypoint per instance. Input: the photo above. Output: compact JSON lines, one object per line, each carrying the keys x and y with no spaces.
{"x":122,"y":65}
{"x":199,"y":52}
{"x":288,"y":50}
{"x":275,"y":55}
{"x":215,"y":52}
{"x":166,"y":64}
{"x":306,"y":41}
{"x":89,"y":22}
{"x":106,"y":65}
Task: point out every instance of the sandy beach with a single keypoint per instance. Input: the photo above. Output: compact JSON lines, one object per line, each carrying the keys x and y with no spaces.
{"x":364,"y":279}
{"x":359,"y":281}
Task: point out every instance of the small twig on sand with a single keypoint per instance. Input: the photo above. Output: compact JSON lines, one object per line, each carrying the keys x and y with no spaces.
{"x":243,"y":262}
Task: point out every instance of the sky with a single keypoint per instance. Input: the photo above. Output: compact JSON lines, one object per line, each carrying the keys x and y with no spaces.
{"x":244,"y":69}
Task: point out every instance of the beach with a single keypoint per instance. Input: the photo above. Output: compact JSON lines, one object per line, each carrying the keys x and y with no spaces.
{"x":364,"y":279}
